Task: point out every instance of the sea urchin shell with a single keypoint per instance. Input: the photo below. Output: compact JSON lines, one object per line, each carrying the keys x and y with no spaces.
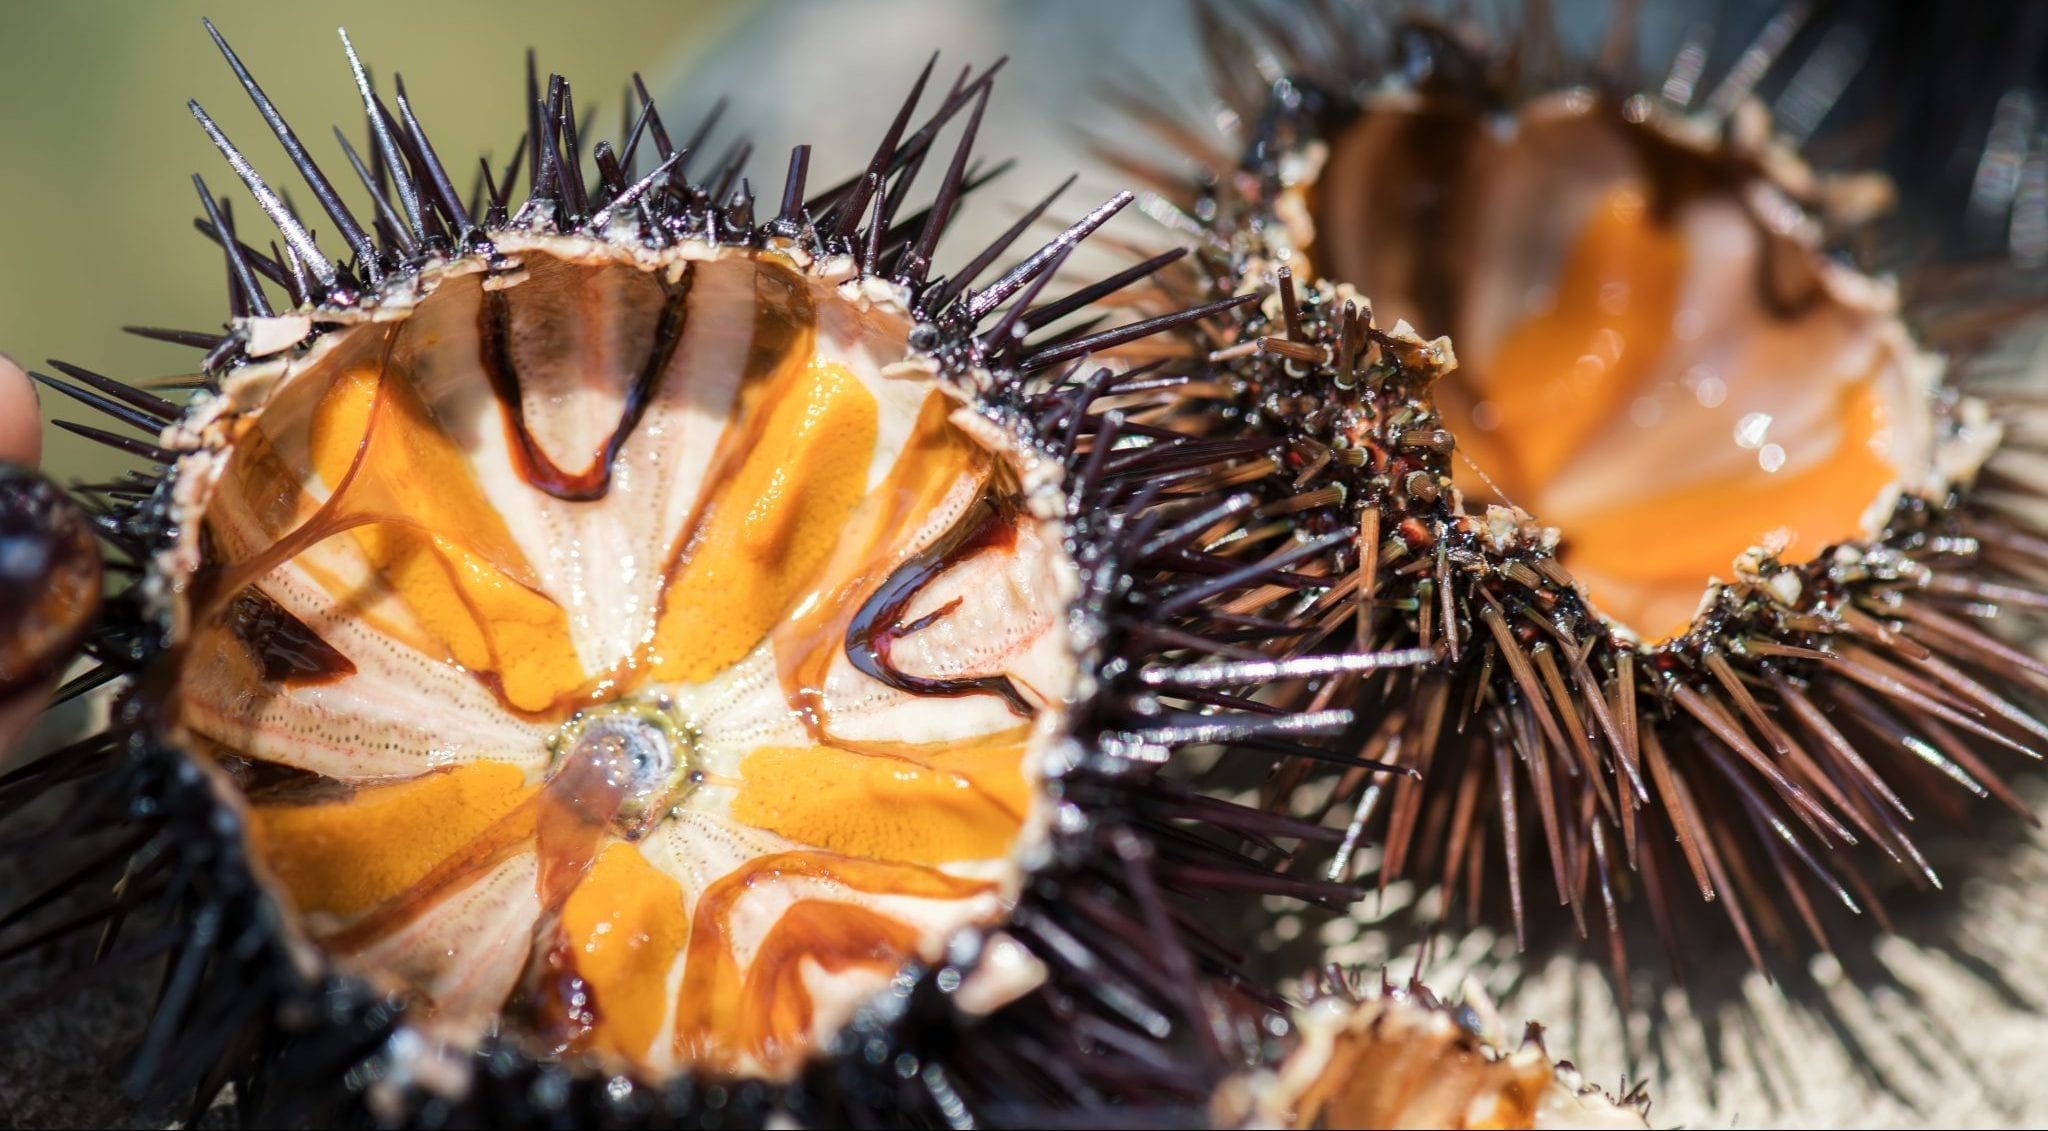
{"x":1402,"y":1057}
{"x":677,"y":755}
{"x":613,"y":650}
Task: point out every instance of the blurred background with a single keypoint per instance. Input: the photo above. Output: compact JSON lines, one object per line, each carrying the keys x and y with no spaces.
{"x":100,"y":148}
{"x":1939,"y":1023}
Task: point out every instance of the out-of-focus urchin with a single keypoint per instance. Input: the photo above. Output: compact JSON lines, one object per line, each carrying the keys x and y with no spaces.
{"x":1715,"y":542}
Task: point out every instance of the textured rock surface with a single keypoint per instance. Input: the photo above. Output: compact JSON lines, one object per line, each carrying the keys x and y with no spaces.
{"x":1939,"y":1024}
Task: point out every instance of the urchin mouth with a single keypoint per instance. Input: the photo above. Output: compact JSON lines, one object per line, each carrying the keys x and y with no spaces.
{"x":626,"y":763}
{"x":1655,"y":359}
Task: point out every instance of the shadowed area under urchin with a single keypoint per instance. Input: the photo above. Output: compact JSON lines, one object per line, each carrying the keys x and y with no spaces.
{"x":1931,"y":1024}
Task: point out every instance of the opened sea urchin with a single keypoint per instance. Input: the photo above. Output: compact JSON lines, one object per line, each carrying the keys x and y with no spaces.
{"x":1690,"y":522}
{"x":608,"y":651}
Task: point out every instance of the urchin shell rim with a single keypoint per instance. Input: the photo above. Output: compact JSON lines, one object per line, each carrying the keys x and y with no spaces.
{"x":205,"y":438}
{"x":1471,"y":1020}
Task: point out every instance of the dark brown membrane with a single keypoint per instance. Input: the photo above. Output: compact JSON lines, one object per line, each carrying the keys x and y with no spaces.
{"x":288,"y":651}
{"x":494,"y":330}
{"x":988,"y":524}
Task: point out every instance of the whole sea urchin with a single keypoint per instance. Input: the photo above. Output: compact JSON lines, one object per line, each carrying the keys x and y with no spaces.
{"x":1695,"y":529}
{"x":615,"y":653}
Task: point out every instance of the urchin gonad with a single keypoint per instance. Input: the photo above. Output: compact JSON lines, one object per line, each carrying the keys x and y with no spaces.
{"x":1690,"y":520}
{"x":608,"y":653}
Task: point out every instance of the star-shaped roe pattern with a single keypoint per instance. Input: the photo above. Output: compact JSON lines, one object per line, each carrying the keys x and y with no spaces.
{"x":678,"y":772}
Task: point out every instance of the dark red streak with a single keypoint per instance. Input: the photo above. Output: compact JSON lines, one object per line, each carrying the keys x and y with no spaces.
{"x":535,"y":467}
{"x":985,"y":526}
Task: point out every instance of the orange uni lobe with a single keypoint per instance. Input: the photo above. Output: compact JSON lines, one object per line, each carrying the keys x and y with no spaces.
{"x":344,"y":857}
{"x":933,"y":806}
{"x":625,"y":926}
{"x":778,"y":506}
{"x":437,"y":541}
{"x":1609,"y":424}
{"x":1561,"y":374}
{"x":1654,"y":583}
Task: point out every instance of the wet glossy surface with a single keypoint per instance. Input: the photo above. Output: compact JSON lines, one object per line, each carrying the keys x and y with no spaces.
{"x":1645,"y":362}
{"x":670,"y":757}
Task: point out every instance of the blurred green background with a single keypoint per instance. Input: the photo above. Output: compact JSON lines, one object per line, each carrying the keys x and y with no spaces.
{"x":95,"y":182}
{"x":99,"y":147}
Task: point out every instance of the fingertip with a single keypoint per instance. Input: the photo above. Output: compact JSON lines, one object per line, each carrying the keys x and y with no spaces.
{"x":21,"y":418}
